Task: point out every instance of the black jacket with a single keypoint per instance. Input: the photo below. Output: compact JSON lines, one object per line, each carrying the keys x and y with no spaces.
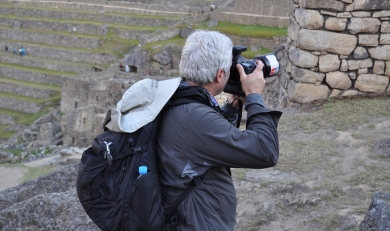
{"x":195,"y":138}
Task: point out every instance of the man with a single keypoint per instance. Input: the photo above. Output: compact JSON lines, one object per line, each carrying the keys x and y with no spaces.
{"x":200,"y":139}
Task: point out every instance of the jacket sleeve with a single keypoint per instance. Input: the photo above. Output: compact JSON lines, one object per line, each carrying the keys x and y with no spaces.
{"x":216,"y":142}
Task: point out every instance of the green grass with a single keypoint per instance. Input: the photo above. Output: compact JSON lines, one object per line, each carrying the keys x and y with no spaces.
{"x":55,"y":97}
{"x":90,"y":12}
{"x":157,"y":46}
{"x":253,"y":31}
{"x":63,"y":33}
{"x":15,"y":152}
{"x":89,"y":22}
{"x":114,"y":45}
{"x":51,"y":87}
{"x":338,"y":114}
{"x":32,"y":172}
{"x":4,"y":133}
{"x":5,"y":5}
{"x":251,"y":54}
{"x":28,"y":118}
{"x":37,"y":70}
{"x":306,"y":156}
{"x":45,"y":60}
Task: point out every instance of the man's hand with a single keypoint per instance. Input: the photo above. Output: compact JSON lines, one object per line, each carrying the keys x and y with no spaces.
{"x":254,"y":82}
{"x":234,"y":99}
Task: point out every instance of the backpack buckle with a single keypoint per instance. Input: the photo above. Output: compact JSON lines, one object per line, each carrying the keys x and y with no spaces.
{"x":136,"y":150}
{"x":107,"y":153}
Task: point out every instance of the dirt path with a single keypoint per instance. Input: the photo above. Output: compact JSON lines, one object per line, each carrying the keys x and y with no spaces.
{"x":11,"y":176}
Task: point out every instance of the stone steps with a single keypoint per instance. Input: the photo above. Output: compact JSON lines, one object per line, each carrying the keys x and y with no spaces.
{"x":82,"y":26}
{"x":97,"y":8}
{"x":51,"y":38}
{"x":60,"y":53}
{"x":135,"y":19}
{"x":251,"y":19}
{"x":24,"y":74}
{"x":63,"y":39}
{"x":29,"y":89}
{"x":49,"y":64}
{"x":8,"y":102}
{"x":25,"y":91}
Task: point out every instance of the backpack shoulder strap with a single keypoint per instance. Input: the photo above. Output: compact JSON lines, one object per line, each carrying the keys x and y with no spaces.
{"x":173,"y":216}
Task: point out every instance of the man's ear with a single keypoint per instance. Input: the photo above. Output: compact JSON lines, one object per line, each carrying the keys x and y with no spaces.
{"x":220,"y":75}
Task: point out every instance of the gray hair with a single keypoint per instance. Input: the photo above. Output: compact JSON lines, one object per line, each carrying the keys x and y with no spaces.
{"x":204,"y":53}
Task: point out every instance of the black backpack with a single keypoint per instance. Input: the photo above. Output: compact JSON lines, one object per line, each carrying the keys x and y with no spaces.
{"x":113,"y":191}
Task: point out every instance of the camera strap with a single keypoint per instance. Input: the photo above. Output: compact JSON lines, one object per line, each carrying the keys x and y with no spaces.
{"x":240,"y":107}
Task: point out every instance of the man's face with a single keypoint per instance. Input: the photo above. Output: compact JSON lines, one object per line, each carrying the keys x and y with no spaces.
{"x":227,"y":74}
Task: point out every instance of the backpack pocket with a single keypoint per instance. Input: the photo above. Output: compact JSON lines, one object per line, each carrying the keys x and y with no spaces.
{"x":145,"y":191}
{"x":94,"y":196}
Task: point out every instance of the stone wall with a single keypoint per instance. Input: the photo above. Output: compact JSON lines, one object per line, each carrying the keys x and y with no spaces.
{"x":31,"y":76}
{"x":96,"y":93}
{"x":34,"y":62}
{"x":264,"y":7}
{"x":249,"y":12}
{"x":81,"y":28}
{"x":17,"y":105}
{"x":62,"y":53}
{"x":25,"y":91}
{"x":61,"y":40}
{"x":102,"y":17}
{"x":97,"y":8}
{"x":336,"y":48}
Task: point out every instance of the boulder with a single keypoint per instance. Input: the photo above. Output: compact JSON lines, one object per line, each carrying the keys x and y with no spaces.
{"x":378,"y":215}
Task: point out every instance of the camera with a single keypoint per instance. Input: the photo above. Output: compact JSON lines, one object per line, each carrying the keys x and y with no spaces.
{"x":271,"y":68}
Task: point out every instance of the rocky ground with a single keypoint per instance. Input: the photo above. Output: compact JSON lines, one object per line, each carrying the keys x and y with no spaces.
{"x":334,"y":157}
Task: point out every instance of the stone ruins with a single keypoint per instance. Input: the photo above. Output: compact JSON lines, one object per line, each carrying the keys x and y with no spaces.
{"x":334,"y":48}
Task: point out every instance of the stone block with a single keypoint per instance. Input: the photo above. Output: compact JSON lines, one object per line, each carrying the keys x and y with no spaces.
{"x":361,"y":14}
{"x":385,"y":27}
{"x":305,"y":92}
{"x":293,"y":29}
{"x":336,"y":24}
{"x":360,"y":53}
{"x":335,"y":92}
{"x":368,"y":40}
{"x":379,"y":67}
{"x":339,"y":80}
{"x":380,"y":52}
{"x":357,"y":64}
{"x":387,"y":69}
{"x":331,"y":42}
{"x":307,"y":76}
{"x":330,"y":5}
{"x":324,"y":12}
{"x":363,"y":25}
{"x":344,"y":15}
{"x":372,"y":83}
{"x":362,"y":71}
{"x":329,"y":63}
{"x":309,"y":19}
{"x":344,"y":65}
{"x":372,"y":5}
{"x":302,"y":58}
{"x":350,"y":93}
{"x":380,"y":14}
{"x":384,"y":39}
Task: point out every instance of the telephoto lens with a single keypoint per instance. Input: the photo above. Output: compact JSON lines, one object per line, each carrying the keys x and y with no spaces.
{"x":271,"y":68}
